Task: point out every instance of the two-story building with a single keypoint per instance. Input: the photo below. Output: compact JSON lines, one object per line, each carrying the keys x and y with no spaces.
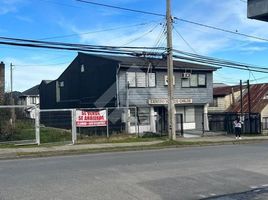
{"x":30,"y":98}
{"x":121,"y":81}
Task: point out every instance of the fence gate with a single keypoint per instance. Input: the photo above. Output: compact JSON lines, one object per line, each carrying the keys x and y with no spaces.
{"x":56,"y":126}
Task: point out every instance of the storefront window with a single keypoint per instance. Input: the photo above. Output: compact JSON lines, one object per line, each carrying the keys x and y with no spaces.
{"x":144,"y":116}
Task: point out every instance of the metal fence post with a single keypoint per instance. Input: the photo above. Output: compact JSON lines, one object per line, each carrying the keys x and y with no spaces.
{"x":136,"y":122}
{"x":74,"y":133}
{"x":107,"y":126}
{"x":37,"y":125}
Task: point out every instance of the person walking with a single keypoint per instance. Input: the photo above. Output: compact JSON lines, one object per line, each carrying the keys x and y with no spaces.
{"x":238,"y":126}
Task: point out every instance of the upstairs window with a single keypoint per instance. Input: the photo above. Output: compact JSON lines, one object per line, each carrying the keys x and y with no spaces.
{"x":194,"y":81}
{"x":140,"y":79}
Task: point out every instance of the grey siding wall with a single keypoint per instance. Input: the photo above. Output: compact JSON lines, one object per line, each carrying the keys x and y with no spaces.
{"x":140,"y":96}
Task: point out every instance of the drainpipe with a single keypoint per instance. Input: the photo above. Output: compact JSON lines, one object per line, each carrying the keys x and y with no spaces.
{"x":117,"y":85}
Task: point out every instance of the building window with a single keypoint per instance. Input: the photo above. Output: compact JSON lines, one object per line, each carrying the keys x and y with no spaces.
{"x":201,"y":80}
{"x":151,"y":80}
{"x":196,"y":80}
{"x":187,"y":112}
{"x":214,"y":103}
{"x":141,"y":79}
{"x":131,"y":79}
{"x":82,"y":68}
{"x":32,"y":100}
{"x":265,"y":123}
{"x":144,"y":116}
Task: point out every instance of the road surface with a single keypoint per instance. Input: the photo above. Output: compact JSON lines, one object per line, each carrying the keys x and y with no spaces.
{"x":217,"y":173}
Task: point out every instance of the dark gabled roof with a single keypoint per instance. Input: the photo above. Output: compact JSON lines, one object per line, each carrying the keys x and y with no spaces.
{"x":226,"y":90}
{"x":34,"y":91}
{"x":131,"y":61}
{"x":46,"y":81}
{"x":258,"y":103}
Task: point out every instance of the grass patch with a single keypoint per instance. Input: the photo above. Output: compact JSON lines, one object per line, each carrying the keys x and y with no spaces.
{"x":123,"y":138}
{"x":52,"y":135}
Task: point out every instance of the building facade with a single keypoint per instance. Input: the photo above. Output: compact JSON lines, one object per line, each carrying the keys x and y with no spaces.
{"x":30,"y":98}
{"x":117,"y":81}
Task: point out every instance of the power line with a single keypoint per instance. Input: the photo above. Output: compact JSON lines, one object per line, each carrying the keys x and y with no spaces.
{"x":179,"y":19}
{"x":42,"y":65}
{"x":185,"y":41}
{"x":121,"y":8}
{"x":141,"y":36}
{"x":133,"y":51}
{"x":222,"y":30}
{"x":97,"y":31}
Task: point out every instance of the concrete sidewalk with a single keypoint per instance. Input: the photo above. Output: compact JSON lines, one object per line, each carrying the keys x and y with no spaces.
{"x":14,"y":152}
{"x":222,"y":138}
{"x":20,"y":151}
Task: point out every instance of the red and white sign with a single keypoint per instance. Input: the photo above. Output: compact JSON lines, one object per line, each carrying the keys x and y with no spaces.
{"x":91,"y":118}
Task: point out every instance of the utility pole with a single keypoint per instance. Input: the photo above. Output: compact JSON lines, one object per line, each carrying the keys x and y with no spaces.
{"x":12,"y":121}
{"x":11,"y":83}
{"x":171,"y":108}
{"x":241,"y":103}
{"x":249,"y":107}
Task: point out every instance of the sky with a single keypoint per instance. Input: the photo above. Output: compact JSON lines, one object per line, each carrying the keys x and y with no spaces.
{"x":75,"y":22}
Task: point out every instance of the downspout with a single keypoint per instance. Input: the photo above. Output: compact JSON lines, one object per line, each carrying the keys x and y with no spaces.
{"x":117,"y":85}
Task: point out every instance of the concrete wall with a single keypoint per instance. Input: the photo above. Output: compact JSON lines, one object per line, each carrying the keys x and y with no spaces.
{"x":2,"y":82}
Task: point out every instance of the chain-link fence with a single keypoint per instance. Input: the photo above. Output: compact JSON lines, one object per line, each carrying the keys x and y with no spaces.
{"x":105,"y":122}
{"x":56,"y":126}
{"x":18,"y":124}
{"x":224,"y":122}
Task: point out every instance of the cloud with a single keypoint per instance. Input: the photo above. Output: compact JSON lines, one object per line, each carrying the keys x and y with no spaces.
{"x":24,"y":19}
{"x":29,"y":72}
{"x":9,"y":6}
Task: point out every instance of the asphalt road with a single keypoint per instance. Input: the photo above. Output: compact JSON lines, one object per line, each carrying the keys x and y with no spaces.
{"x":216,"y":173}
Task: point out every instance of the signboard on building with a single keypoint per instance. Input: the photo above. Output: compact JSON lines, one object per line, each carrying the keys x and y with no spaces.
{"x":165,"y":101}
{"x":91,"y":118}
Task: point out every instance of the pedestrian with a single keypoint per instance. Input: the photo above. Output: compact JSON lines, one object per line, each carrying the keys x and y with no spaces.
{"x":238,"y":126}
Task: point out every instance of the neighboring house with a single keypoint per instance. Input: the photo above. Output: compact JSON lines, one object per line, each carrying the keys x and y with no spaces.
{"x":228,"y":100}
{"x":223,"y":98}
{"x":119,"y":81}
{"x":28,"y":98}
{"x":258,"y":102}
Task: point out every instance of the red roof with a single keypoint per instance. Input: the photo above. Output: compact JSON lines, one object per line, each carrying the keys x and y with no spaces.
{"x":226,"y":90}
{"x":257,"y":94}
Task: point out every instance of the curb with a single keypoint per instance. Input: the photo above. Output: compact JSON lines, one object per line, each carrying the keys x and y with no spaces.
{"x":40,"y":154}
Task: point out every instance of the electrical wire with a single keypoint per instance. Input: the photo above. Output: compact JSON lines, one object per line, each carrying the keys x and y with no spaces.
{"x":141,"y":36}
{"x":179,"y":19}
{"x":185,"y":41}
{"x":42,"y":65}
{"x":97,"y":31}
{"x":121,"y":8}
